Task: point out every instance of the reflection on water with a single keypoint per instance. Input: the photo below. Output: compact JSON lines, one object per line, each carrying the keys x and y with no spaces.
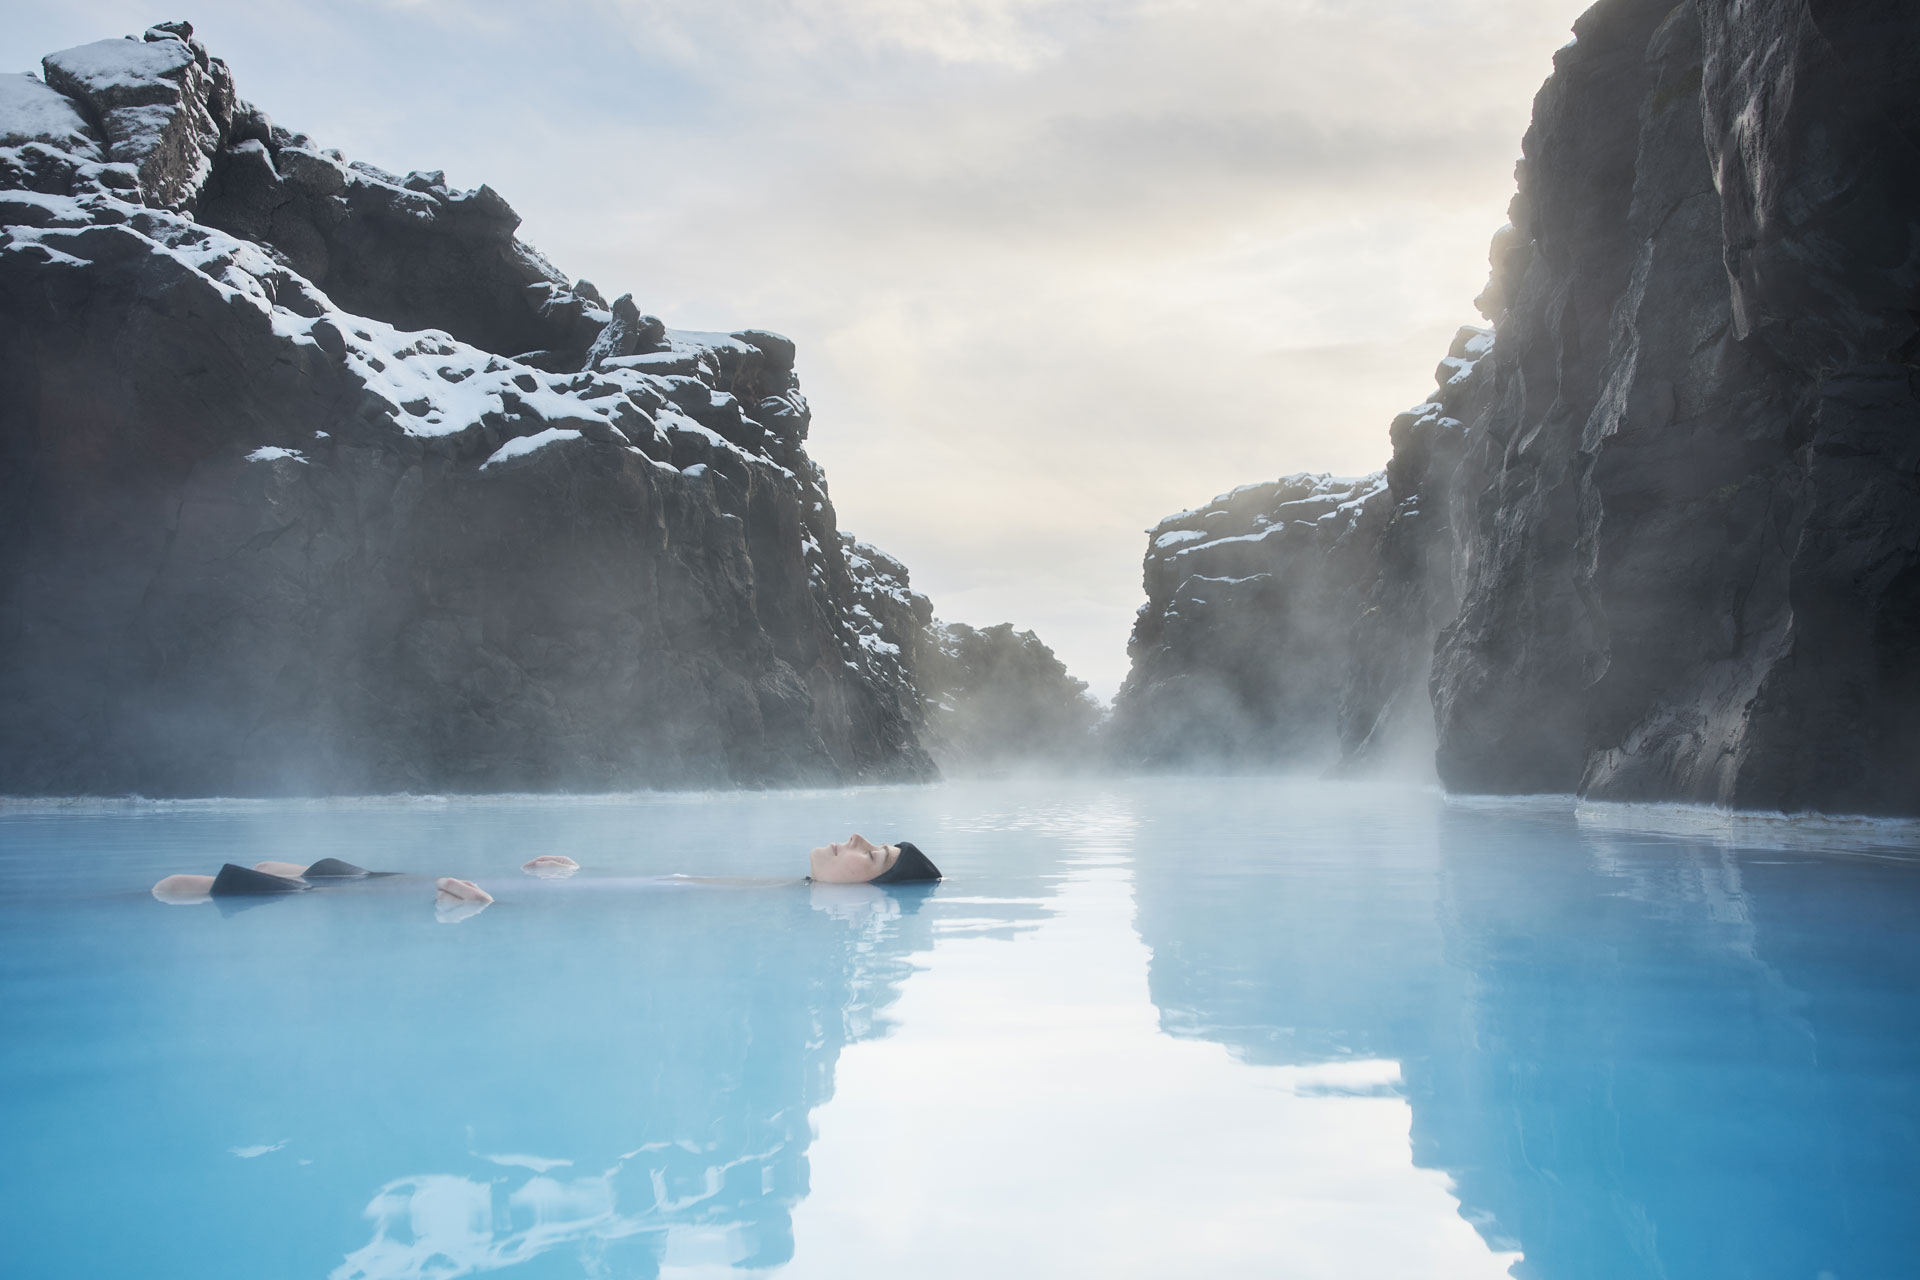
{"x":689,"y":1197}
{"x":1193,"y":1027}
{"x":1685,"y":1060}
{"x":1637,"y":1047}
{"x":586,"y":1079}
{"x":1027,"y":1117}
{"x":723,"y":1012}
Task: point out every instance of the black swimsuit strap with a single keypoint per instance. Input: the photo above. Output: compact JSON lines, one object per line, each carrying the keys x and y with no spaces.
{"x":235,"y":882}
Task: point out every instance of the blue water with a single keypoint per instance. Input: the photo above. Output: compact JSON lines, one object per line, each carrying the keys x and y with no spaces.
{"x":1170,"y":1028}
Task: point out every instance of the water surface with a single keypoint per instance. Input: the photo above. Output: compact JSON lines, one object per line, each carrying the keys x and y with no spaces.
{"x":1210,"y":1028}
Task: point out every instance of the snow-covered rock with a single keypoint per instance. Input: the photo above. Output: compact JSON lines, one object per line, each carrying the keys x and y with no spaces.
{"x":315,"y":478}
{"x":160,"y":103}
{"x":32,"y":112}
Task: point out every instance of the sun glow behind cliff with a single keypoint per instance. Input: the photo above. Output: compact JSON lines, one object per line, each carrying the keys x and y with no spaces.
{"x":1056,"y":267}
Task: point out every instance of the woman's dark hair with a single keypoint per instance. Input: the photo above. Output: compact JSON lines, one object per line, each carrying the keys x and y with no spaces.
{"x":910,"y":866}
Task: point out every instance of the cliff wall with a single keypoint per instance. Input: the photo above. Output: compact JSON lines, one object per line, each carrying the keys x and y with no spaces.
{"x":1240,"y":652}
{"x":1691,"y":570}
{"x":316,"y":478}
{"x":1662,"y":540}
{"x":999,"y":701}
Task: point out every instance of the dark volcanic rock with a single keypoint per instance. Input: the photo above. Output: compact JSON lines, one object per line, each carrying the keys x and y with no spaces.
{"x":1662,"y":540}
{"x":1242,"y":648}
{"x":1386,"y":716}
{"x":999,"y":700}
{"x":258,"y":538}
{"x":160,"y":103}
{"x":987,"y":700}
{"x":410,"y":252}
{"x":1692,"y":568}
{"x":1814,"y":133}
{"x":1514,"y":671}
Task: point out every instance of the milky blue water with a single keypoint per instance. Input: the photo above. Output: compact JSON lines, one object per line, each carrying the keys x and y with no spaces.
{"x":1169,"y":1028}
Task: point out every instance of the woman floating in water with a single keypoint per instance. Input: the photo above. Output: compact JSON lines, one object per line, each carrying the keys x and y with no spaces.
{"x":855,"y":860}
{"x":858,"y":860}
{"x":261,"y":878}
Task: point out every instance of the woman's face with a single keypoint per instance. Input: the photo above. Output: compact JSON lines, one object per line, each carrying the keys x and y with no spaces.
{"x":854,"y":860}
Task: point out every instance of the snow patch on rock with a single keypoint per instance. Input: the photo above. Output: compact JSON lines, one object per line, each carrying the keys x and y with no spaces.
{"x":521,"y":446}
{"x":32,"y":112}
{"x":163,"y":106}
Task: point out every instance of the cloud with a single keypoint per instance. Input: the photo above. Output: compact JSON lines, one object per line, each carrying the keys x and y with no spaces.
{"x":1056,"y":267}
{"x":1009,"y":33}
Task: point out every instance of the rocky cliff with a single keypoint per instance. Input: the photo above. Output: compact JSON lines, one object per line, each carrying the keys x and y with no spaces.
{"x":1241,"y":649}
{"x":1663,"y":542}
{"x":999,"y":701}
{"x":316,"y":478}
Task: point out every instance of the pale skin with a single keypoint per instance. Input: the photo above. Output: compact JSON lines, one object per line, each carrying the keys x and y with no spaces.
{"x":447,"y":887}
{"x":457,"y":900}
{"x":183,"y":890}
{"x":855,"y":860}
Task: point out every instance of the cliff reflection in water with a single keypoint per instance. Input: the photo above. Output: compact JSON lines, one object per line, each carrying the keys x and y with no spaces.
{"x":1181,"y":1027}
{"x":1635,"y":1053}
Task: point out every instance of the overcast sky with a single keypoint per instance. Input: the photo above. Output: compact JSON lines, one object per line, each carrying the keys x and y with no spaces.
{"x":1057,"y":268}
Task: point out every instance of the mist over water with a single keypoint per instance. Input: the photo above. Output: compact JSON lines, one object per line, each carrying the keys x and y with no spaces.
{"x":1151,"y":1027}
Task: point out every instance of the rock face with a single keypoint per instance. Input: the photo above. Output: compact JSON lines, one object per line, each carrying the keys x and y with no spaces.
{"x":314,"y":478}
{"x":1386,"y":717}
{"x":998,"y":700}
{"x":1241,"y":650}
{"x":159,"y":104}
{"x":1692,"y":568}
{"x":1663,"y":541}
